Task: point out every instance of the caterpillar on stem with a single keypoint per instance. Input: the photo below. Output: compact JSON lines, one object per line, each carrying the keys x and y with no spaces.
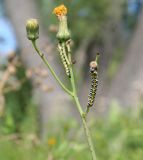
{"x":94,"y":82}
{"x":64,"y":58}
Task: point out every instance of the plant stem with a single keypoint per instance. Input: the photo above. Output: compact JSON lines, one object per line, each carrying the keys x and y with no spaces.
{"x":50,"y":68}
{"x":73,"y":94}
{"x":87,"y":133}
{"x":82,"y":115}
{"x":78,"y":105}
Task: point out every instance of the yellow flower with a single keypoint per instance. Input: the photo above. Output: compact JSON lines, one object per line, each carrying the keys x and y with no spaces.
{"x":60,"y":10}
{"x":63,"y":32}
{"x":52,"y":141}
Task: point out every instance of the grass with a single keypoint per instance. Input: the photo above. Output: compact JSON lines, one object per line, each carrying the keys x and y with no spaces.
{"x":119,"y":136}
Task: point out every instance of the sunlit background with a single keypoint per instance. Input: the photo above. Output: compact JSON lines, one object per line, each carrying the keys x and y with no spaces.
{"x":38,"y":121}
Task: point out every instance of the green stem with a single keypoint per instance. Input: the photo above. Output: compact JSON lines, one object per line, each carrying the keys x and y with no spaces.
{"x":87,"y":110}
{"x":87,"y":133}
{"x":83,"y":117}
{"x":78,"y":105}
{"x":73,"y":94}
{"x":89,"y":138}
{"x":50,"y":68}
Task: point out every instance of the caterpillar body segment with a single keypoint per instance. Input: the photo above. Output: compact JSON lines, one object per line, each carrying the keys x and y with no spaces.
{"x":94,"y":83}
{"x":68,"y":49}
{"x":61,"y":49}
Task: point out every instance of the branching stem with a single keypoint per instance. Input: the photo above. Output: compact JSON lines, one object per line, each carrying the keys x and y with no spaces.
{"x":80,"y":110}
{"x":83,"y":117}
{"x":51,"y":69}
{"x":73,"y":93}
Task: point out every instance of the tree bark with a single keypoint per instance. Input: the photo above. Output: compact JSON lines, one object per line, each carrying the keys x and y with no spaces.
{"x":127,"y":88}
{"x":51,"y":104}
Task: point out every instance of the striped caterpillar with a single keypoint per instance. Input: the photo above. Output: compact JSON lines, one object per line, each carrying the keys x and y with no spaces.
{"x":65,"y":61}
{"x":94,"y":83}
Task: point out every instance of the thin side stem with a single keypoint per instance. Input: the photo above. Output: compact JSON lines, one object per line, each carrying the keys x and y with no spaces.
{"x":50,"y":68}
{"x":73,"y":94}
{"x":87,"y":110}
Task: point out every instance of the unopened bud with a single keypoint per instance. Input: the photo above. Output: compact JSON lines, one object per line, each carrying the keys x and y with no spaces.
{"x":32,"y":28}
{"x":63,"y":33}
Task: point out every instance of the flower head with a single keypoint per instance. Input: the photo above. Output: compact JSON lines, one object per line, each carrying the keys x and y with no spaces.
{"x":32,"y":28}
{"x":63,"y":32}
{"x":51,"y":141}
{"x":60,"y":10}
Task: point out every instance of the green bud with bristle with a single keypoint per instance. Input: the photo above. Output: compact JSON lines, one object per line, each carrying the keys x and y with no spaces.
{"x":63,"y":32}
{"x":32,"y":28}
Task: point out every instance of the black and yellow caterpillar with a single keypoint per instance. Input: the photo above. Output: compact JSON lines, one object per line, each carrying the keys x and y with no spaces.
{"x":94,"y":83}
{"x":64,"y":59}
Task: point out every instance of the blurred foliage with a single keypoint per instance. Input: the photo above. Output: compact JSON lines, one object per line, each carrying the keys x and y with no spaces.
{"x":87,"y":19}
{"x":103,"y":26}
{"x":131,"y":13}
{"x":114,"y":64}
{"x":118,"y":136}
{"x":16,"y":105}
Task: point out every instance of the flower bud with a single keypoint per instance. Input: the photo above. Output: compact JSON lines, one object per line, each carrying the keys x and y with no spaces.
{"x":60,"y":10}
{"x":32,"y":28}
{"x":63,"y":32}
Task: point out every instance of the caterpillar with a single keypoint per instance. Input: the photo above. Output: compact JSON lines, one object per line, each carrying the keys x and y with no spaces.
{"x":94,"y":83}
{"x":64,"y":59}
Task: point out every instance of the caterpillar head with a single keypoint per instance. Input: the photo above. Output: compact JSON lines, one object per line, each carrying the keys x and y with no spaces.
{"x":93,"y":66}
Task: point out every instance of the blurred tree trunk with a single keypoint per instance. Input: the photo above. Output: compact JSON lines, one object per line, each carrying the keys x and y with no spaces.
{"x":51,"y":104}
{"x":127,"y":88}
{"x":87,"y":53}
